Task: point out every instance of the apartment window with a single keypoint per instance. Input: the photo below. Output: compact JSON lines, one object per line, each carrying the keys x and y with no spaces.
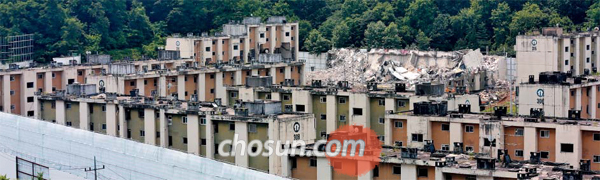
{"x":207,"y":49}
{"x":381,"y":102}
{"x":545,"y":134}
{"x":417,"y":137}
{"x":231,"y":126}
{"x":323,"y":116}
{"x":40,"y":76}
{"x":262,"y":35}
{"x":184,"y":119}
{"x":596,"y":159}
{"x":203,"y":121}
{"x":103,"y":126}
{"x":53,"y":105}
{"x":267,"y":39}
{"x":235,"y":47}
{"x":53,"y":75}
{"x":68,"y":105}
{"x":30,"y":113}
{"x":212,"y":90}
{"x":398,"y":143}
{"x":519,"y":153}
{"x":103,"y":108}
{"x":519,"y":132}
{"x":12,"y":92}
{"x":572,"y":55}
{"x":445,"y":127}
{"x":357,"y":111}
{"x":157,"y":134}
{"x":342,"y":118}
{"x":401,"y":103}
{"x":422,"y":172}
{"x":286,"y":97}
{"x":268,"y":96}
{"x":544,"y":154}
{"x":323,"y":99}
{"x":469,"y":149}
{"x":142,"y":133}
{"x":30,"y":99}
{"x":597,"y":137}
{"x":203,"y":142}
{"x":234,"y":94}
{"x":587,"y":47}
{"x":445,"y":147}
{"x":566,"y":147}
{"x":343,"y":100}
{"x":381,"y":120}
{"x":12,"y":78}
{"x":312,"y":162}
{"x":252,"y":128}
{"x":30,"y":85}
{"x":69,"y":124}
{"x":566,"y":49}
{"x":376,"y":171}
{"x":398,"y":124}
{"x":299,"y":108}
{"x":287,"y":34}
{"x":469,"y":128}
{"x":184,"y":140}
{"x":396,"y":170}
{"x":566,"y":62}
{"x":587,"y":60}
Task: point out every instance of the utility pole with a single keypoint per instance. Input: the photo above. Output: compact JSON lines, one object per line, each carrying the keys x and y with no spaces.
{"x":95,"y":169}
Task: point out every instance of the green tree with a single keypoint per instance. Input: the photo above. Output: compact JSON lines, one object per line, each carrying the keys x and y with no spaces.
{"x":422,"y":41}
{"x":316,"y":43}
{"x":501,"y":17}
{"x":391,"y":40}
{"x":341,"y":35}
{"x":140,"y":30}
{"x":442,"y":33}
{"x":529,"y":18}
{"x":593,"y":15}
{"x":420,"y":14}
{"x":304,"y":28}
{"x":374,"y":35}
{"x":3,"y":177}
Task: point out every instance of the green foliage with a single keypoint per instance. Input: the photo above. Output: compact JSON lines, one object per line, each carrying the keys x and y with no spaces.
{"x":3,"y":177}
{"x":316,"y":43}
{"x":135,"y":28}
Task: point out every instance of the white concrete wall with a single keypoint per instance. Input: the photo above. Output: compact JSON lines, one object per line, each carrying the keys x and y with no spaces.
{"x":60,"y":112}
{"x":530,"y":138}
{"x":359,"y":100}
{"x":111,"y":119}
{"x":300,"y":97}
{"x":149,"y":127}
{"x":531,"y":62}
{"x":6,"y":95}
{"x":185,"y":47}
{"x":241,"y":154}
{"x":569,"y":134}
{"x":555,"y":99}
{"x":193,"y":133}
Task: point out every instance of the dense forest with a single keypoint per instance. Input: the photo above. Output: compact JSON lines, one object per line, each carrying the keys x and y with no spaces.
{"x":135,"y":28}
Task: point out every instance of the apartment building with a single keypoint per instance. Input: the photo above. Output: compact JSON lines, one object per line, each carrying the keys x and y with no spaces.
{"x":195,"y":127}
{"x":553,"y":50}
{"x":250,"y":40}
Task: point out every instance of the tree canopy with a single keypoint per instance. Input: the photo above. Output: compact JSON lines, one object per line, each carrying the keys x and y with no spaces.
{"x":135,"y":28}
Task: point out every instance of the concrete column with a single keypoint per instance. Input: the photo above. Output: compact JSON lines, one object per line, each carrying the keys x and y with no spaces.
{"x":241,"y":157}
{"x":324,"y":170}
{"x":286,"y":166}
{"x":111,"y":119}
{"x":193,"y":133}
{"x":593,"y":103}
{"x":287,"y":72}
{"x":387,"y":132}
{"x":48,"y":82}
{"x":210,"y":139}
{"x":164,"y":129}
{"x":578,"y":98}
{"x":84,"y":116}
{"x":149,"y":127}
{"x":275,"y":96}
{"x":181,"y":87}
{"x":6,"y":94}
{"x":390,"y":104}
{"x":455,"y":133}
{"x":439,"y":174}
{"x":201,"y":87}
{"x":60,"y":112}
{"x":38,"y":111}
{"x":120,"y":85}
{"x":530,"y":145}
{"x":122,"y":122}
{"x":238,"y":78}
{"x":273,"y":72}
{"x":139,"y":84}
{"x":359,"y":101}
{"x":409,"y":171}
{"x":331,"y":113}
{"x":220,"y":91}
{"x":277,"y":163}
{"x":162,"y":86}
{"x":367,"y":175}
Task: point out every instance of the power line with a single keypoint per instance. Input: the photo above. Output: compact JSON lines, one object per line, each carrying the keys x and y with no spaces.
{"x":95,"y":169}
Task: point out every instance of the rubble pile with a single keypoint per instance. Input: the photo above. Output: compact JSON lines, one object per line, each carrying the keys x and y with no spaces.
{"x":357,"y":66}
